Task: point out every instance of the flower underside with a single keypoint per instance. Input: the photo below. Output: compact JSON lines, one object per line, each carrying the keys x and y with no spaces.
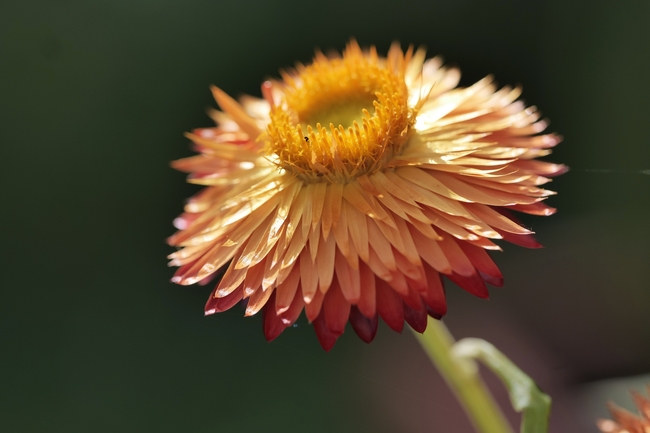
{"x":354,"y":186}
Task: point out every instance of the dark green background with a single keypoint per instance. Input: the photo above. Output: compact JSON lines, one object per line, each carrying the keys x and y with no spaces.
{"x":94,"y":98}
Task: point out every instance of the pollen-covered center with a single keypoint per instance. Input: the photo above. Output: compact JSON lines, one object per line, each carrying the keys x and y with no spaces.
{"x":341,"y":117}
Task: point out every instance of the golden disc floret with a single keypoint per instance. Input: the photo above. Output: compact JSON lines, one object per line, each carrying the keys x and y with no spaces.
{"x":341,"y":117}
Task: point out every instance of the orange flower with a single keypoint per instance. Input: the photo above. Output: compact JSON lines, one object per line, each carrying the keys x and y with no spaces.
{"x":353,"y":186}
{"x":624,"y":421}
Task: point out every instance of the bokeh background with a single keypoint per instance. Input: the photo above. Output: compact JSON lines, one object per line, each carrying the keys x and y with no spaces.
{"x":94,"y":99}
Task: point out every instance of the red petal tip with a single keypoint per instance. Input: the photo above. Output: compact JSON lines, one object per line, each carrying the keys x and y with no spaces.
{"x":474,"y":284}
{"x":325,"y":336}
{"x":493,"y":281}
{"x":416,"y":319}
{"x":364,"y":327}
{"x":272,"y":324}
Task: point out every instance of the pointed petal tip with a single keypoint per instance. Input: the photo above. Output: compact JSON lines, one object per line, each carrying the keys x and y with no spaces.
{"x":492,"y":280}
{"x":559,"y":169}
{"x":272,"y":324}
{"x":209,"y":312}
{"x":216,"y":90}
{"x":325,"y":336}
{"x":417,"y":319}
{"x":272,"y":331}
{"x":363,"y":326}
{"x":474,"y":284}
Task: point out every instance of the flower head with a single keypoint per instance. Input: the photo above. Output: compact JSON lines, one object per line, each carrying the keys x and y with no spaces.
{"x":353,"y":186}
{"x":626,"y":422}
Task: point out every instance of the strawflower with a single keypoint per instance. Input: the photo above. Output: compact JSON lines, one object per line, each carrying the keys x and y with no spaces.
{"x":626,"y":422}
{"x":354,"y":186}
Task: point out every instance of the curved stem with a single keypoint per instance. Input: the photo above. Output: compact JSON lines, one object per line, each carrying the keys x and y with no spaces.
{"x":462,"y":376}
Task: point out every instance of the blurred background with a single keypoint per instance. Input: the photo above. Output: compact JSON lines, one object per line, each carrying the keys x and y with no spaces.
{"x":94,"y":99}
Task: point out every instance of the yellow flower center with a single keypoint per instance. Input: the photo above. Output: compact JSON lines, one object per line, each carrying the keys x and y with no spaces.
{"x":341,"y":117}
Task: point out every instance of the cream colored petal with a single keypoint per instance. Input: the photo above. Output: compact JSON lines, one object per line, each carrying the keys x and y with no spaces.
{"x":236,"y":111}
{"x":498,"y":172}
{"x":367,"y":205}
{"x":271,"y":270}
{"x":273,"y":231}
{"x":435,"y":109}
{"x":439,"y":220}
{"x":380,"y":179}
{"x":230,"y":281}
{"x":257,"y":108}
{"x":496,"y":183}
{"x":392,"y":204}
{"x":256,"y":242}
{"x":307,"y":209}
{"x":496,"y":220}
{"x":424,"y":187}
{"x":296,"y":246}
{"x":475,"y":225}
{"x":208,"y":264}
{"x":414,"y":68}
{"x":295,"y":214}
{"x":224,"y":151}
{"x":478,"y":194}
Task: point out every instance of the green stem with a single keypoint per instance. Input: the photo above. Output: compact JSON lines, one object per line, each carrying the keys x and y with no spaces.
{"x":525,"y":395}
{"x":462,"y":376}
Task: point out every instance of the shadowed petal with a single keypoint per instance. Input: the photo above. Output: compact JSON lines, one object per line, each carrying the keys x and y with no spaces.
{"x":365,"y":328}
